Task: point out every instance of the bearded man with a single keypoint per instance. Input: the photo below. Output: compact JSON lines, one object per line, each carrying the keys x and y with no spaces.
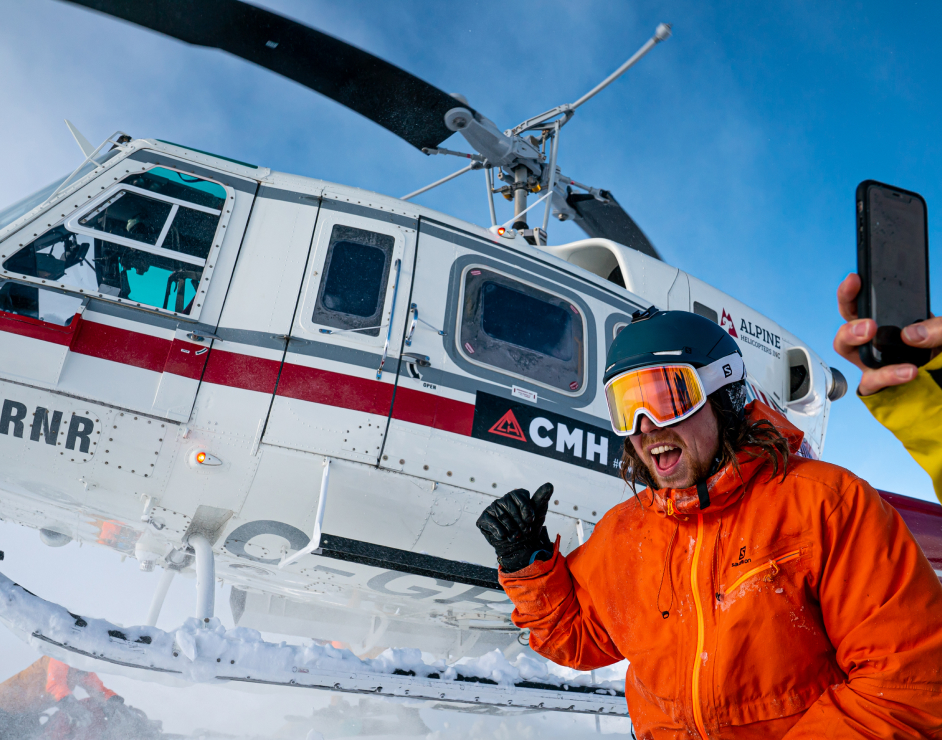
{"x":755,"y":593}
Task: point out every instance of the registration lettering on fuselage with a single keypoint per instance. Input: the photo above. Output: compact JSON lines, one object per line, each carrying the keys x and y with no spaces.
{"x":72,"y":434}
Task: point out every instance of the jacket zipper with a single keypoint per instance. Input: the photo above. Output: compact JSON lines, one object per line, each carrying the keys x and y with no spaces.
{"x":772,"y":565}
{"x":695,"y":682}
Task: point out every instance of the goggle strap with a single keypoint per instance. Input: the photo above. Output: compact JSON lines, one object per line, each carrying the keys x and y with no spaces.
{"x":726,"y":370}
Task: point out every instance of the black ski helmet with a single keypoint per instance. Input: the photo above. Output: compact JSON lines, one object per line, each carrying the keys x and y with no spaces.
{"x":653,"y":337}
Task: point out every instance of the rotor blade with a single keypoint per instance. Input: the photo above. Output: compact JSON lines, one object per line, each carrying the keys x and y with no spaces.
{"x":398,"y":101}
{"x":609,"y":221}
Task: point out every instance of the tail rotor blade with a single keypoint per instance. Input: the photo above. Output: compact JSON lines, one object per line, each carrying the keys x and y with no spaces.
{"x":398,"y":101}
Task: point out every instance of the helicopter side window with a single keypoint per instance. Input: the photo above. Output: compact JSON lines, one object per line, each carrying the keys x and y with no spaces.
{"x":38,"y":303}
{"x":148,"y":243}
{"x":94,"y":265}
{"x":181,"y":218}
{"x":522,"y":330}
{"x":353,"y":290}
{"x":706,"y":312}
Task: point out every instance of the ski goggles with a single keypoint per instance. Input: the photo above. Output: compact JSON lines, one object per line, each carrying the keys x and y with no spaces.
{"x":666,"y":394}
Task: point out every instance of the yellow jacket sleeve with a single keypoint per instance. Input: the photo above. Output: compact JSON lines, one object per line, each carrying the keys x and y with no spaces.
{"x":913,"y":412}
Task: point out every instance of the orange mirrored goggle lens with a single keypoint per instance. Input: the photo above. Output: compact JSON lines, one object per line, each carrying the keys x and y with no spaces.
{"x":665,"y":393}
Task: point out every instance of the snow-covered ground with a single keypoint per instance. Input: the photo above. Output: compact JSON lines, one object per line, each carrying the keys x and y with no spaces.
{"x":94,"y":582}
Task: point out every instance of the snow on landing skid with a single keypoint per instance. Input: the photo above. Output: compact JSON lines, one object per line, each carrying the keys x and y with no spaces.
{"x":205,"y":651}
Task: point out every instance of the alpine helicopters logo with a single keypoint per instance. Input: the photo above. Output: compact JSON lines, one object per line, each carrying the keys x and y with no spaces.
{"x":752,"y":334}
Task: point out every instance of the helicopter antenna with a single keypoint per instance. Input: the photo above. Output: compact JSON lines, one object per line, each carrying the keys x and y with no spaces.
{"x":566,"y":111}
{"x":662,"y":33}
{"x":84,"y":144}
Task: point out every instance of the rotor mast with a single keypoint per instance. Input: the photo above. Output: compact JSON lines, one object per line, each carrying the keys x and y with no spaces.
{"x":521,"y":161}
{"x":521,"y":187}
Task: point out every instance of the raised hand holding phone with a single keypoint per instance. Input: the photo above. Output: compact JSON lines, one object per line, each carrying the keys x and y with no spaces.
{"x":857,"y":332}
{"x":893,"y":265}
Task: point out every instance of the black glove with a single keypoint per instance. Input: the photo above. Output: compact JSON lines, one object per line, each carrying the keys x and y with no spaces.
{"x":513,"y":526}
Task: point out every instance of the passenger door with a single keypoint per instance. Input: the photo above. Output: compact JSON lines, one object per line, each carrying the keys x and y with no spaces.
{"x":501,"y":389}
{"x":336,"y":385}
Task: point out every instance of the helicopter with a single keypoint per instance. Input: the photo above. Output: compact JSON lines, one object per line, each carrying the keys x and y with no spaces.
{"x":310,"y":391}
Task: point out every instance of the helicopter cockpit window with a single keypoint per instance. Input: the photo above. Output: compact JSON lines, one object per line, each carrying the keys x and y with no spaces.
{"x":180,"y":186}
{"x":38,"y":303}
{"x":130,"y":215}
{"x":353,"y":290}
{"x":147,"y":243}
{"x":522,"y":330}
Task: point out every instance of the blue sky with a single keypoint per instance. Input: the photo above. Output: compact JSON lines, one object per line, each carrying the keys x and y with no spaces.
{"x":736,"y":145}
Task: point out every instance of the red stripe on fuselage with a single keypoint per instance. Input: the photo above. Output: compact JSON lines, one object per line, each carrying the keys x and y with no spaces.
{"x":430,"y":410}
{"x":250,"y":373}
{"x":241,"y":371}
{"x":120,"y":345}
{"x":335,"y":389}
{"x":184,"y":361}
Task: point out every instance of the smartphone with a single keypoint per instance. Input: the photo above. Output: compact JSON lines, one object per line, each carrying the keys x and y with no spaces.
{"x":893,"y":264}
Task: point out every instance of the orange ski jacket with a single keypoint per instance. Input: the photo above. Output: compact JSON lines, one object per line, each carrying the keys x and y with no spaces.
{"x":796,"y":608}
{"x":45,"y":682}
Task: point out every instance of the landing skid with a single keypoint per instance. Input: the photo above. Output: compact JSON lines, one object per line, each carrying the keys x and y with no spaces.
{"x":204,"y":651}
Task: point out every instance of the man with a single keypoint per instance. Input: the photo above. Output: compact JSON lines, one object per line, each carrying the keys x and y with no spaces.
{"x":755,"y":593}
{"x":907,"y":400}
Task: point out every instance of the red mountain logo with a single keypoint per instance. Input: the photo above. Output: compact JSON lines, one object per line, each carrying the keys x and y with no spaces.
{"x":732,"y":324}
{"x":508,"y":426}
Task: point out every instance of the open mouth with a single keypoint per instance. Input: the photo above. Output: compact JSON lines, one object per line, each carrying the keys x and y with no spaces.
{"x":666,"y":457}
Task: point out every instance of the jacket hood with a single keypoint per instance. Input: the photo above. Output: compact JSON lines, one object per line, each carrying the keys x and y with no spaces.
{"x":726,"y":486}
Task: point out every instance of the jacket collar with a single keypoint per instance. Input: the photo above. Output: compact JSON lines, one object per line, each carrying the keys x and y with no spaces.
{"x":727,"y":486}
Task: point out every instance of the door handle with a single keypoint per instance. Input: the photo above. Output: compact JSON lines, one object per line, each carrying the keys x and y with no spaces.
{"x":416,"y":320}
{"x":201,"y":336}
{"x":392,"y":317}
{"x":416,"y":358}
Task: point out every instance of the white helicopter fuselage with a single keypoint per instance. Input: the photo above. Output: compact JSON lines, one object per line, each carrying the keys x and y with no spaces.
{"x":135,"y":426}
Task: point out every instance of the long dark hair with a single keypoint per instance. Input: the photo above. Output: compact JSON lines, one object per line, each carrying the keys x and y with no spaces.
{"x":758,"y":439}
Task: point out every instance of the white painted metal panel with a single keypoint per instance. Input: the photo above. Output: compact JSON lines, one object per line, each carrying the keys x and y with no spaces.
{"x":118,"y":384}
{"x":222,"y":487}
{"x":331,"y":398}
{"x":331,"y":429}
{"x":267,"y":278}
{"x":180,"y":379}
{"x":30,"y":359}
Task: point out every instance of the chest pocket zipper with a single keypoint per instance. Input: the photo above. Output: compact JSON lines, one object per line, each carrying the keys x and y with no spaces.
{"x":771,"y":565}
